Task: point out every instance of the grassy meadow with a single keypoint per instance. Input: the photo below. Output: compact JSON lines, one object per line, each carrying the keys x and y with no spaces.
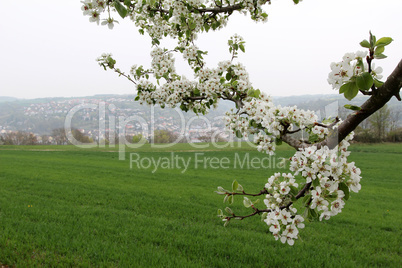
{"x":61,"y":206}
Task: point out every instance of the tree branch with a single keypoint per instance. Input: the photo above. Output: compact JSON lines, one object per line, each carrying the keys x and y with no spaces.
{"x":327,"y":126}
{"x":300,"y":194}
{"x":213,"y":10}
{"x":378,"y":99}
{"x":256,"y":211}
{"x":263,"y":191}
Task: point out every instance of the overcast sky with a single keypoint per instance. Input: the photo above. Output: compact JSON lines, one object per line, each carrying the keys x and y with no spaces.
{"x":48,"y":48}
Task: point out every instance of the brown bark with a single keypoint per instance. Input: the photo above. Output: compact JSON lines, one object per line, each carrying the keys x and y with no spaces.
{"x":380,"y":97}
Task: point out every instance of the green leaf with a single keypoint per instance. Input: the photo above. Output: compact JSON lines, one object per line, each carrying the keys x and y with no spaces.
{"x":312,"y":214}
{"x":250,"y":92}
{"x":192,"y":25}
{"x":379,"y":50}
{"x":155,"y":41}
{"x":197,"y":92}
{"x":351,"y":93}
{"x":228,"y":76}
{"x":278,"y":141}
{"x":230,"y":199}
{"x":238,"y":134}
{"x":352,"y":107}
{"x":137,"y":98}
{"x":345,"y":189}
{"x":228,"y":210}
{"x":242,"y":48}
{"x":365,"y":43}
{"x":372,"y":39}
{"x":313,"y":138}
{"x":221,"y":190}
{"x":257,"y":93}
{"x":240,"y":188}
{"x":293,"y":190}
{"x":378,"y":83}
{"x":306,"y":199}
{"x":247,"y":202}
{"x":380,"y":56}
{"x":120,"y":9}
{"x":345,"y":87}
{"x":364,"y":81}
{"x":235,"y":184}
{"x":220,"y":213}
{"x":384,"y":41}
{"x":349,"y":90}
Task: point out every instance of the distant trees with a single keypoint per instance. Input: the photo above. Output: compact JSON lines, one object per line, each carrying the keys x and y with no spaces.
{"x":81,"y":137}
{"x":111,"y":138}
{"x":19,"y":138}
{"x":395,"y":132}
{"x":60,"y":138}
{"x":164,"y":136}
{"x":139,"y":139}
{"x":381,"y":126}
{"x":46,"y":139}
{"x":212,"y":136}
{"x":380,"y":121}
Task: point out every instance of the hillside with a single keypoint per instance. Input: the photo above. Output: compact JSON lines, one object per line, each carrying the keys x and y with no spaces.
{"x":41,"y":116}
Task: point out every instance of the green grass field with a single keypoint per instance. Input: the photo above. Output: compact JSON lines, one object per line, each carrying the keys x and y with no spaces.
{"x":61,"y":206}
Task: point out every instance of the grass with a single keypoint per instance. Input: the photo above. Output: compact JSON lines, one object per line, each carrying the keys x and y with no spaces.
{"x":63,"y":207}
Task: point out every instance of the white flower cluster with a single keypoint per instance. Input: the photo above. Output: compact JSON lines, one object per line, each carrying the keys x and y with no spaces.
{"x":255,"y":9}
{"x":321,"y":132}
{"x":352,"y":64}
{"x":327,"y":169}
{"x":264,"y":143}
{"x":190,"y":52}
{"x":284,"y":224}
{"x":266,"y":121}
{"x":162,"y":62}
{"x":93,"y":8}
{"x":175,"y":18}
{"x":279,"y":186}
{"x":178,"y":90}
{"x":236,"y":39}
{"x":330,"y":176}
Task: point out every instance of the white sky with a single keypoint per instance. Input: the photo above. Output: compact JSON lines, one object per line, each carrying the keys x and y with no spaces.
{"x":48,"y":48}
